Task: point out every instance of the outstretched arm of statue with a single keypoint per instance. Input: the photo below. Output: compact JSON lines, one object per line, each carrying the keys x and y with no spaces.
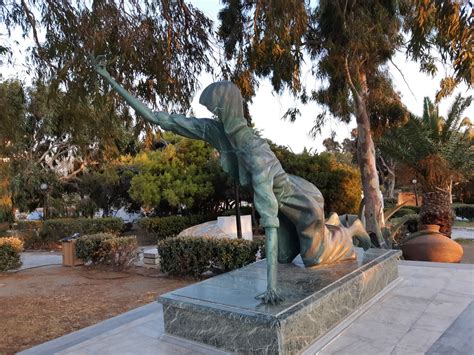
{"x":267,"y":206}
{"x":99,"y":66}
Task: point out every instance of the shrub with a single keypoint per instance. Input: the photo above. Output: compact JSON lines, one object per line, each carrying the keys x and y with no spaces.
{"x":55,"y":229}
{"x":188,"y":256}
{"x":410,"y":226}
{"x":10,"y":249}
{"x":389,"y":202}
{"x":28,"y":225}
{"x":244,"y":210}
{"x":169,"y":227}
{"x":339,"y":183}
{"x":406,"y":211}
{"x":29,"y":233}
{"x":464,"y":210}
{"x":107,"y":249}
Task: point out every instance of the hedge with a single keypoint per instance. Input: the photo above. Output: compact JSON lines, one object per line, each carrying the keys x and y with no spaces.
{"x":169,"y":227}
{"x":107,"y":249}
{"x":28,"y":225}
{"x":192,"y":256}
{"x":10,"y":249}
{"x":244,"y":210}
{"x":55,"y":229}
{"x":406,"y":210}
{"x":464,"y":210}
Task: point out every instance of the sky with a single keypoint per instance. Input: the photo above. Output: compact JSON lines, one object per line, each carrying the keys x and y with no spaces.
{"x":268,"y":108}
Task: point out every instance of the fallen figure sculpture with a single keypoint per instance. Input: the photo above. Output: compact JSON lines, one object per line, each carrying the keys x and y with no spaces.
{"x":290,"y":207}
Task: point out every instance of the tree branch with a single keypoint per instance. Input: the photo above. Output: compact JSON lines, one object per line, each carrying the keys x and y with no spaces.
{"x":403,"y":77}
{"x":349,"y":78}
{"x":31,"y":19}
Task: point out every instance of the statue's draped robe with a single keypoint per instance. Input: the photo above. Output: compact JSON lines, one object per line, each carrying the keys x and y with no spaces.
{"x":284,"y":201}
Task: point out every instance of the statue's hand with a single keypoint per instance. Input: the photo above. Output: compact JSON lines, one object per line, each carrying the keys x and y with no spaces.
{"x":99,"y":64}
{"x":270,"y":296}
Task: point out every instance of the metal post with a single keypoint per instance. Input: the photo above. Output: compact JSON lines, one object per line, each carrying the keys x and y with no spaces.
{"x":414,"y":181}
{"x":237,"y":210}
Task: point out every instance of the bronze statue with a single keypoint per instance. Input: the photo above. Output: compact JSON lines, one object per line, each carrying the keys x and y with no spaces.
{"x":290,"y":207}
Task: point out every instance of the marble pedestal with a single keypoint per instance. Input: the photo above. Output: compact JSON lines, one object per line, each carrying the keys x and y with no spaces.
{"x":223,"y":312}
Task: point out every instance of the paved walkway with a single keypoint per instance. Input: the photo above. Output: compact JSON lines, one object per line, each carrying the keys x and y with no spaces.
{"x":429,"y":311}
{"x":32,"y":259}
{"x":462,"y":233}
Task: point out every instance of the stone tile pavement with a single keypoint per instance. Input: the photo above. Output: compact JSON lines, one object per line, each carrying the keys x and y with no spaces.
{"x":32,"y":259}
{"x":462,"y":233}
{"x":429,"y":311}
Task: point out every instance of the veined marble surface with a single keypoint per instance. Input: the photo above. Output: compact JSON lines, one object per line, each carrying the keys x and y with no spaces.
{"x":223,"y":311}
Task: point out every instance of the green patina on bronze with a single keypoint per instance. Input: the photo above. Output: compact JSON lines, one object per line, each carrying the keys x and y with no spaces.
{"x":290,"y":207}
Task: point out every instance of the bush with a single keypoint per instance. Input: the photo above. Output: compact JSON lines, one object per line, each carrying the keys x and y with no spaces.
{"x":244,"y":210}
{"x":55,"y":229}
{"x":107,"y":249}
{"x":10,"y":249}
{"x":410,"y":226}
{"x":29,"y":233}
{"x":28,"y":225}
{"x":464,"y":210}
{"x":406,"y":211}
{"x":169,"y":227}
{"x":389,"y":202}
{"x":192,"y":256}
{"x":339,"y":183}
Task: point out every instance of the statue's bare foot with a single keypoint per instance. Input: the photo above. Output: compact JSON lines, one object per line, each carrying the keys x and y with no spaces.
{"x":270,"y":297}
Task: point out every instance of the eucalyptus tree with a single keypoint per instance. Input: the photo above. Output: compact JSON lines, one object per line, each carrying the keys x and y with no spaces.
{"x":350,"y":44}
{"x":156,"y":49}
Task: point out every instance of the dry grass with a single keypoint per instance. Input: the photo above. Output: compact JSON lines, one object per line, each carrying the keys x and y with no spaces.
{"x":41,"y":304}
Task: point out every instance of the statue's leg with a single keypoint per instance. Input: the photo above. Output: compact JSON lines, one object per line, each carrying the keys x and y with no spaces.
{"x":288,"y":242}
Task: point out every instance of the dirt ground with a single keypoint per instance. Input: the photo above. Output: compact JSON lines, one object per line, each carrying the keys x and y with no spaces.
{"x":44,"y":303}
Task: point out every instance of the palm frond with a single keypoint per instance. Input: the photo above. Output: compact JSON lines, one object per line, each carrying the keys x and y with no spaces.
{"x":437,"y":150}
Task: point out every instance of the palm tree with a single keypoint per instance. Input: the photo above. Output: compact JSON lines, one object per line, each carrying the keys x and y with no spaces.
{"x":439,"y":151}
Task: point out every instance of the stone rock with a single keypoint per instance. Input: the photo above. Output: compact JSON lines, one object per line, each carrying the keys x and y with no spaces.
{"x":224,"y":227}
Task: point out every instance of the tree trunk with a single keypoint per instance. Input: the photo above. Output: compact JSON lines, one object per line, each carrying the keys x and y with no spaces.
{"x":366,"y":158}
{"x":436,"y":209}
{"x":368,"y":170}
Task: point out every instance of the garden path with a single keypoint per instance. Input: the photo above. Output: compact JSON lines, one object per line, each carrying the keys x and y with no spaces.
{"x":429,"y":311}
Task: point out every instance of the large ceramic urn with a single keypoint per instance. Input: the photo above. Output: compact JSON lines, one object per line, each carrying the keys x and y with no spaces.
{"x":428,"y":244}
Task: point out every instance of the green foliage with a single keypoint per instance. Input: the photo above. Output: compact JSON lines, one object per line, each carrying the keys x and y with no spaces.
{"x":6,"y":214}
{"x":10,"y":249}
{"x":464,"y":210}
{"x":446,"y":26}
{"x":55,"y":229}
{"x":196,"y":255}
{"x":157,"y":48}
{"x":185,"y":174}
{"x":244,"y":210}
{"x":257,"y":36}
{"x":409,"y":210}
{"x":171,"y":226}
{"x":108,"y":188}
{"x":28,"y":225}
{"x":351,"y":58}
{"x":438,"y":150}
{"x":107,"y":250}
{"x":401,"y":228}
{"x":338,"y":182}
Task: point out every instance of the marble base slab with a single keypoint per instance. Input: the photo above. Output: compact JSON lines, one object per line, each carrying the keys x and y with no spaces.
{"x":223,"y":312}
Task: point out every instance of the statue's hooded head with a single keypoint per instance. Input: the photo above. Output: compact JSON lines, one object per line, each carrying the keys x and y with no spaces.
{"x":225,"y":101}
